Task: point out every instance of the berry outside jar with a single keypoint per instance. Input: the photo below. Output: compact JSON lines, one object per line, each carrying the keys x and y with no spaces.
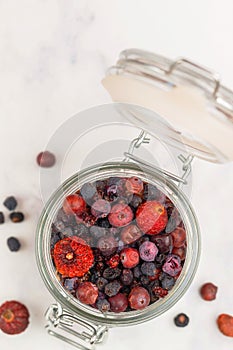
{"x":69,"y":311}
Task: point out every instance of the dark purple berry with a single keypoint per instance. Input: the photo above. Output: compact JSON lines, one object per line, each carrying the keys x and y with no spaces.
{"x":55,"y":237}
{"x":2,"y":218}
{"x":137,"y":272}
{"x":111,"y":274}
{"x":167,"y":281}
{"x":107,"y":245}
{"x":88,"y":192}
{"x":174,"y":221}
{"x":163,"y":243}
{"x":148,"y":251}
{"x":135,"y":201}
{"x":126,"y":277}
{"x":16,"y":217}
{"x":151,"y":193}
{"x":103,"y":305}
{"x":144,"y":280}
{"x":13,"y":244}
{"x":160,"y":259}
{"x":71,"y":284}
{"x":10,"y":203}
{"x":81,"y":231}
{"x":101,"y":283}
{"x":119,"y":303}
{"x":46,"y":159}
{"x":172,"y":265}
{"x":148,"y":269}
{"x":104,"y":223}
{"x":112,"y":288}
{"x":181,"y":320}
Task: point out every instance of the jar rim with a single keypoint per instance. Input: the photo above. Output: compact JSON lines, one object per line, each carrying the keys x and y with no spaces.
{"x":97,"y":172}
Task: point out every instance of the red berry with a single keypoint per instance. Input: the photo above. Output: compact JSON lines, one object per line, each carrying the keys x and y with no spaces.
{"x":179,"y":237}
{"x":130,"y":233}
{"x":181,"y":252}
{"x":172,"y":265}
{"x":129,"y":257}
{"x":73,"y":257}
{"x":151,"y":217}
{"x":134,"y":185}
{"x":160,"y":292}
{"x":118,"y":303}
{"x":13,"y":317}
{"x":120,"y":215}
{"x":139,"y":298}
{"x":74,"y":204}
{"x":87,"y":293}
{"x":114,"y":261}
{"x":101,"y":208}
{"x":46,"y":159}
{"x":225,"y":324}
{"x":208,"y":291}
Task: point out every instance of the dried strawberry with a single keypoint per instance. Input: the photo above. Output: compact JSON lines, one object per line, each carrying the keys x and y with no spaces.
{"x":225,"y":324}
{"x":13,"y":317}
{"x":73,"y":257}
{"x":151,"y":217}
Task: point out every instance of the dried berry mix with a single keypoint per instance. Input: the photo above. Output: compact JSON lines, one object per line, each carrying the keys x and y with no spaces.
{"x":181,"y":320}
{"x":10,"y":203}
{"x":14,"y":317}
{"x":208,"y":291}
{"x":118,"y":244}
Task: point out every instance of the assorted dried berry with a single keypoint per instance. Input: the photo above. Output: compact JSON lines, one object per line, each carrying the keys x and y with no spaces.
{"x":14,"y":317}
{"x":13,"y":244}
{"x":181,"y":320}
{"x":46,"y":159}
{"x":2,"y":218}
{"x":10,"y":203}
{"x":110,"y":246}
{"x":208,"y":291}
{"x":17,"y":217}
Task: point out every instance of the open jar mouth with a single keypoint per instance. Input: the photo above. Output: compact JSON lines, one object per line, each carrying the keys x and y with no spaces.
{"x":100,"y":172}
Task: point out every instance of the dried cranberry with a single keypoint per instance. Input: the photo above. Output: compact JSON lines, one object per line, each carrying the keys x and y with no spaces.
{"x":208,"y":291}
{"x":120,"y":215}
{"x":87,"y":293}
{"x":139,"y":298}
{"x":151,"y":217}
{"x":114,"y":261}
{"x":118,"y":303}
{"x":225,"y":324}
{"x":129,"y":257}
{"x":46,"y":159}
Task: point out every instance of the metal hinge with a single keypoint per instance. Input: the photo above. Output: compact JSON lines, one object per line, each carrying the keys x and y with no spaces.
{"x":72,"y":329}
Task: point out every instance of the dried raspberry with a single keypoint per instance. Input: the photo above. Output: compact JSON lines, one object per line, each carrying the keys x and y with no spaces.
{"x":160,"y":292}
{"x":74,"y":204}
{"x":73,"y":257}
{"x":120,"y":215}
{"x":13,"y":317}
{"x":225,"y":324}
{"x":151,"y":217}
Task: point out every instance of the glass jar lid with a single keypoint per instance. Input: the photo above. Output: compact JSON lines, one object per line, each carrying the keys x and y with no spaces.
{"x":188,"y":96}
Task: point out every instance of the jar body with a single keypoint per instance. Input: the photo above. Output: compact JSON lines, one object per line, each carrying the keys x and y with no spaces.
{"x":100,"y":172}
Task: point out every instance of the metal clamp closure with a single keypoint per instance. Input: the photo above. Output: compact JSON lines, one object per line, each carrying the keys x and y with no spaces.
{"x":64,"y":326}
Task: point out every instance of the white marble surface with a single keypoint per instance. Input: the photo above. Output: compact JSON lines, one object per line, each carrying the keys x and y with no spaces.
{"x":53,"y":55}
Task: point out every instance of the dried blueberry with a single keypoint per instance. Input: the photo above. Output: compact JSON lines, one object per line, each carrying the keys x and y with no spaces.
{"x":16,"y":217}
{"x":88,"y":191}
{"x":101,"y":283}
{"x":2,"y":218}
{"x":111,"y":274}
{"x":55,"y":237}
{"x":13,"y":244}
{"x":151,"y":192}
{"x":144,"y":280}
{"x":167,"y":282}
{"x":135,"y":201}
{"x":160,"y":259}
{"x":10,"y":203}
{"x":80,"y":231}
{"x":173,"y":221}
{"x":67,"y":231}
{"x":181,"y":320}
{"x":148,"y":268}
{"x":126,"y":277}
{"x":103,"y":223}
{"x":71,"y":284}
{"x":137,"y":272}
{"x":112,"y":288}
{"x":103,"y":305}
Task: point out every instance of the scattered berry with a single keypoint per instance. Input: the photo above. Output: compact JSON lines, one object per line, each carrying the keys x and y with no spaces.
{"x":130,"y":234}
{"x":10,"y":203}
{"x":16,"y":217}
{"x":13,"y":244}
{"x":112,"y":288}
{"x":139,"y":298}
{"x":120,"y":215}
{"x":129,"y":257}
{"x":225,"y":324}
{"x":103,"y":305}
{"x":14,"y":317}
{"x":148,"y":251}
{"x":181,"y":320}
{"x":151,"y":217}
{"x":134,"y":185}
{"x":46,"y":159}
{"x":73,"y":257}
{"x":208,"y":291}
{"x":101,"y":208}
{"x":74,"y":204}
{"x":107,"y":245}
{"x":179,"y":237}
{"x":118,"y":303}
{"x":172,"y":265}
{"x":2,"y":218}
{"x":127,"y":277}
{"x":87,"y":293}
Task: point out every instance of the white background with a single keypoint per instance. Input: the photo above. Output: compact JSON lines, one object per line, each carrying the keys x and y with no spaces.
{"x":53,"y":55}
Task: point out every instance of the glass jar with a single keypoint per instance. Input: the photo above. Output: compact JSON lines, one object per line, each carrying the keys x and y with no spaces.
{"x":68,"y":319}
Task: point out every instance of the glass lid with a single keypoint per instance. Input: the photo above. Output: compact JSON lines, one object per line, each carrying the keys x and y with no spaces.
{"x":197,"y":110}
